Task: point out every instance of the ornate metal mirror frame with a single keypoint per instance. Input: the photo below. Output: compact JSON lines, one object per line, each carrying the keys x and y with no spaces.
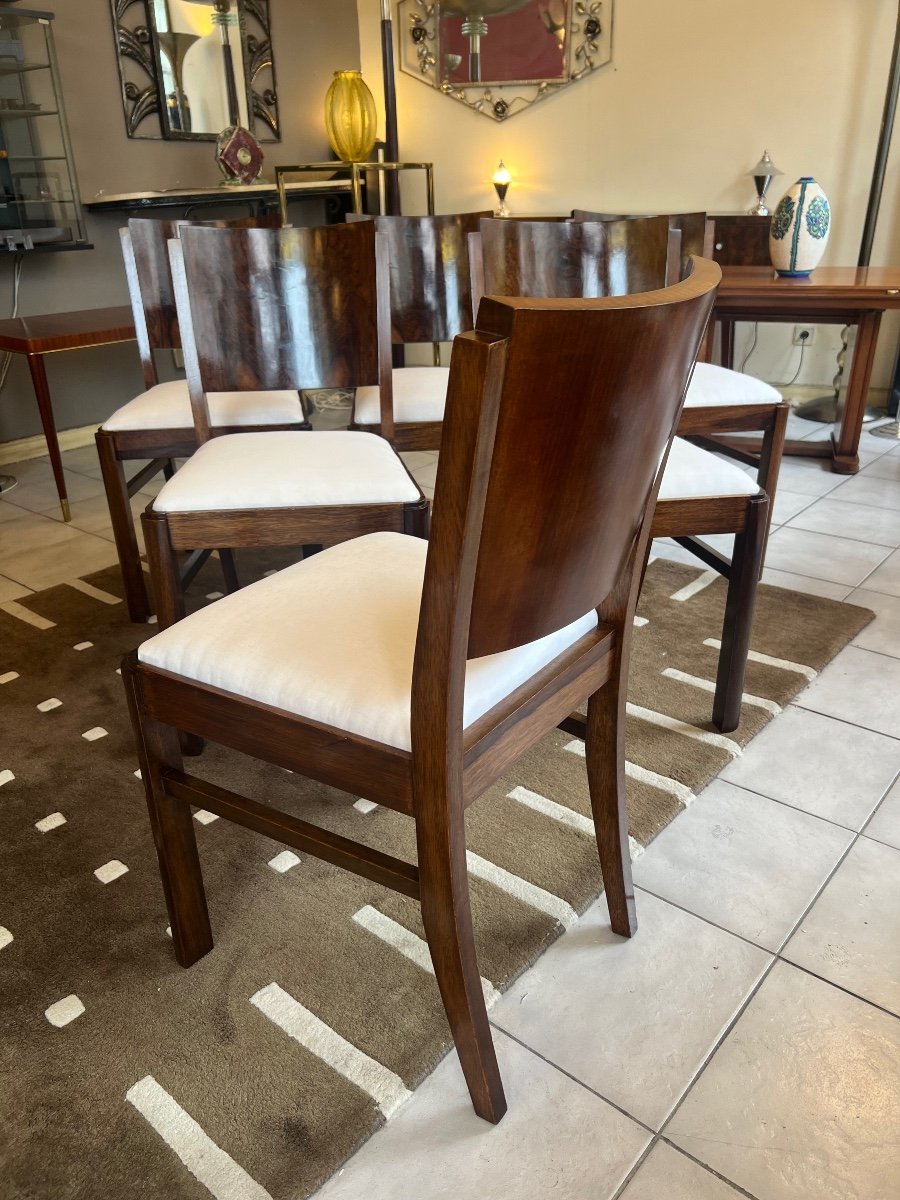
{"x":143,"y":98}
{"x":429,"y":46}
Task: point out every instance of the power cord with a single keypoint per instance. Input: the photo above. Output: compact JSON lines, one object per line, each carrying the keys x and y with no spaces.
{"x":803,"y":338}
{"x":752,"y":344}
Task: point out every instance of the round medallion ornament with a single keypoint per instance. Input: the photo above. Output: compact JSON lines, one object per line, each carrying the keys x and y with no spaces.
{"x":800,"y":228}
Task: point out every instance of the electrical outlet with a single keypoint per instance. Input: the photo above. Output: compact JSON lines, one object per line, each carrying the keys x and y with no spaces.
{"x":804,"y":335}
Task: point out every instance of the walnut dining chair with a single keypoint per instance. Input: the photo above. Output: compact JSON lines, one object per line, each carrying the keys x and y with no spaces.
{"x":434,"y":667}
{"x":156,"y":427}
{"x":700,"y":495}
{"x":264,"y":310}
{"x":431,"y":302}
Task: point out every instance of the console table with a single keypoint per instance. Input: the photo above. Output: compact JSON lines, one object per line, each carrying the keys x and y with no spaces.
{"x":36,"y":336}
{"x":833,"y":296}
{"x":338,"y":194}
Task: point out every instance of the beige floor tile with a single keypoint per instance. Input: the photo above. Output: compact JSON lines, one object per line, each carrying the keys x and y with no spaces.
{"x":885,"y":577}
{"x":870,"y":488}
{"x":840,"y":560}
{"x":83,"y":459}
{"x":742,"y":861}
{"x":92,"y":515}
{"x":805,"y":583}
{"x":622,"y":1015}
{"x":882,"y":634}
{"x":665,"y":1174}
{"x":27,"y":531}
{"x":802,"y":1100}
{"x":74,"y":555}
{"x":887,"y":467}
{"x":788,"y":504}
{"x":851,"y":936}
{"x":859,"y":686}
{"x":10,"y":590}
{"x":38,"y":495}
{"x":885,"y":824}
{"x":808,"y":476}
{"x":826,"y":767}
{"x":861,"y":522}
{"x":557,"y":1139}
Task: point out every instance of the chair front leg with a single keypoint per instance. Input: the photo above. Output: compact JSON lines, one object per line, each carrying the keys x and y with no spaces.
{"x":173,"y":829}
{"x":163,"y":563}
{"x":447,"y":916}
{"x":604,"y":751}
{"x":746,"y":566}
{"x":229,"y":570}
{"x":124,"y":534}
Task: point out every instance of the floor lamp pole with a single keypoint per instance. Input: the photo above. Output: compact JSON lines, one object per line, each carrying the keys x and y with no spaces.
{"x":391,"y":146}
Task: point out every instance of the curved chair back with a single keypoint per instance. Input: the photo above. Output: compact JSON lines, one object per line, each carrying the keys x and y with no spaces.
{"x":429,"y":270}
{"x":569,"y":259}
{"x":273,"y":309}
{"x":695,"y":228}
{"x":588,"y":393}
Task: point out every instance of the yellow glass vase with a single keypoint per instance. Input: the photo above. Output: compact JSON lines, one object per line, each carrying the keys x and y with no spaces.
{"x":350,"y":117}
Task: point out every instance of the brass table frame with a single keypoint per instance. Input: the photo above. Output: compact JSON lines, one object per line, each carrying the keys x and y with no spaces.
{"x":355,"y":170}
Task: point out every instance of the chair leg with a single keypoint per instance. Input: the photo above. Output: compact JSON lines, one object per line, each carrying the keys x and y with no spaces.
{"x":416,"y":519}
{"x":743,"y":578}
{"x":163,"y":569}
{"x":447,"y":916}
{"x":229,"y":570}
{"x":604,"y":751}
{"x":169,"y":468}
{"x":173,"y":830}
{"x":122,"y":519}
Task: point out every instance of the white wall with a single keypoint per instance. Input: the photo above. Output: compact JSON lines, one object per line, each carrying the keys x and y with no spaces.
{"x":694,"y":92}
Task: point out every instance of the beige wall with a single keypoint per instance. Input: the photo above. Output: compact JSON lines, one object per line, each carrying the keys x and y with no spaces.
{"x":87,"y":385}
{"x":694,"y":92}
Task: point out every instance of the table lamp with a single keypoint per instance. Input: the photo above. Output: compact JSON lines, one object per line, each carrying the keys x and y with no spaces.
{"x":501,"y":180}
{"x":763,"y":174}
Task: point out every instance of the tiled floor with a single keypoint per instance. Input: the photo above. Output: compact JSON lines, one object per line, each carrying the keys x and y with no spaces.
{"x":747,"y":1041}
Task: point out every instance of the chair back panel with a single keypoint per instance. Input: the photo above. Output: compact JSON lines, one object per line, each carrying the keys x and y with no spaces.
{"x":591,"y":394}
{"x":573,"y":259}
{"x":696,"y":240}
{"x":283,"y":308}
{"x":431,"y":299}
{"x":149,"y":241}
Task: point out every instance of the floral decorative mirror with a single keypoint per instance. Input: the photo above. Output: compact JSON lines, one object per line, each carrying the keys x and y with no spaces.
{"x":498,"y":57}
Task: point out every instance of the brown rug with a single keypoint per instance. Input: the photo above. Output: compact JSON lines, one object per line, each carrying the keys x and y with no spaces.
{"x":125,"y":1076}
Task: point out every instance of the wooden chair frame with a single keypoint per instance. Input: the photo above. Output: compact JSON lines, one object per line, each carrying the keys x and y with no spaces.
{"x":156,"y":327}
{"x":169,"y":534}
{"x":468,"y":610}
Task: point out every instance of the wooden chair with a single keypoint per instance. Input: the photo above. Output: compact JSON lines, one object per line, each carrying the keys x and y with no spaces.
{"x":156,"y":427}
{"x":266,"y":310}
{"x":430,"y":302}
{"x":722,"y":403}
{"x":699,"y":494}
{"x":434,"y":668}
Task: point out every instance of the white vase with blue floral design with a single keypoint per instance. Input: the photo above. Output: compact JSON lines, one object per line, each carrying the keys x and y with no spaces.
{"x":800,"y":227}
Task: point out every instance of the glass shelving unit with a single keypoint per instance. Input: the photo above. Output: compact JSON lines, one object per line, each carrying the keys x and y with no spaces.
{"x":40,"y":207}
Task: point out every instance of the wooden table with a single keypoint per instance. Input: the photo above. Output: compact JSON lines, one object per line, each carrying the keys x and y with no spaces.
{"x":832,"y":296}
{"x":36,"y":336}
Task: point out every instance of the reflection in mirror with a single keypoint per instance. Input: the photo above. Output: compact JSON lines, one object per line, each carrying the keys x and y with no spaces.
{"x":498,"y":57}
{"x":190,"y":68}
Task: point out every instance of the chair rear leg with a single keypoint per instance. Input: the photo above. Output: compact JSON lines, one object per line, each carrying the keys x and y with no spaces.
{"x":746,"y":565}
{"x":173,"y":829}
{"x":447,"y":916}
{"x":124,"y":533}
{"x":604,"y":751}
{"x":164,"y":572}
{"x":229,"y":570}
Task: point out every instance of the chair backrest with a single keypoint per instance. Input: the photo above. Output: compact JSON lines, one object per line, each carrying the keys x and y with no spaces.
{"x":695,"y":228}
{"x":290,"y":308}
{"x":568,"y":258}
{"x":145,"y":250}
{"x":429,"y":268}
{"x":559,"y":415}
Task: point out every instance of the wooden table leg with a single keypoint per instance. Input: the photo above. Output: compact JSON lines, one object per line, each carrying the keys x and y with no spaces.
{"x":846,"y":445}
{"x":42,"y":392}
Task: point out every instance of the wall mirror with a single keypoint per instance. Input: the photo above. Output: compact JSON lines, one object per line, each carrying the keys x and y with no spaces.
{"x":498,"y":57}
{"x":188,"y":66}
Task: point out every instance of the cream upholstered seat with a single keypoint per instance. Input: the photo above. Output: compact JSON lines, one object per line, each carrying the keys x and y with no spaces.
{"x":713,"y":386}
{"x":420,"y":394}
{"x":168,"y":406}
{"x":362,"y":600}
{"x":692,"y":473}
{"x":285,"y":470}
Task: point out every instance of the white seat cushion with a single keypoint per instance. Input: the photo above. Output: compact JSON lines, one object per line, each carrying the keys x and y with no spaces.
{"x":420,"y":394}
{"x":333,"y":638}
{"x":711,"y":384}
{"x":692,"y":472}
{"x":168,"y":406}
{"x":286,"y":469}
